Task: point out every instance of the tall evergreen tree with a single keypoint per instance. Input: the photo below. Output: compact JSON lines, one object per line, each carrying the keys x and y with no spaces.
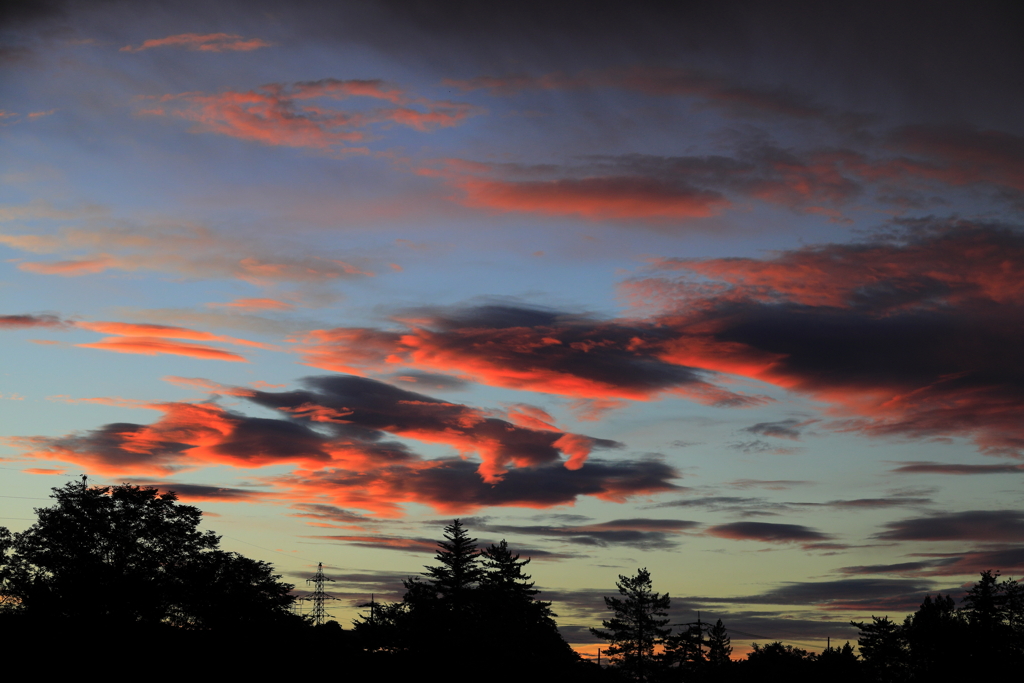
{"x":883,"y":646}
{"x":459,"y":570}
{"x":510,"y":612}
{"x":935,"y":631}
{"x":719,"y":645}
{"x":637,"y":627}
{"x":686,"y":648}
{"x":504,"y":582}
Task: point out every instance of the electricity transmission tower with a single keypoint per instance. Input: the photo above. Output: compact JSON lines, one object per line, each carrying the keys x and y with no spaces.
{"x":319,"y":596}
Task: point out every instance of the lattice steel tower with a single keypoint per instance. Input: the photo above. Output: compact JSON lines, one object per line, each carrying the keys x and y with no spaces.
{"x":319,"y":596}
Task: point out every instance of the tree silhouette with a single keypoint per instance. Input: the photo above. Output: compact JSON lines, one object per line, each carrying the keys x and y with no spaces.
{"x":719,"y":645}
{"x":511,"y":614}
{"x":459,"y":569}
{"x":637,"y":626}
{"x":932,"y":633}
{"x":128,"y":555}
{"x":508,"y":588}
{"x":883,"y":646}
{"x":685,"y":649}
{"x":478,"y":601}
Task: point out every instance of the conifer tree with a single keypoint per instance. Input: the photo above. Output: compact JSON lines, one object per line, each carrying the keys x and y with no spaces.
{"x":883,"y":646}
{"x":459,"y":570}
{"x":719,"y":645}
{"x":503,"y":581}
{"x":638,"y":625}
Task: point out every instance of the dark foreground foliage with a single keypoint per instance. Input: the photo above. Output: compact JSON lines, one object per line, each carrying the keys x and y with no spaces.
{"x":121,"y":579}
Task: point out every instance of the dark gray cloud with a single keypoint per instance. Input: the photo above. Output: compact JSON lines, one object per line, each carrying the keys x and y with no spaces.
{"x":842,"y":594}
{"x":770,"y":484}
{"x":366,"y":409}
{"x":925,"y":467}
{"x":871,"y":503}
{"x":203,"y":492}
{"x":783,"y":429}
{"x":768,"y":532}
{"x":643,"y":533}
{"x":971,"y":525}
{"x":454,"y":485}
{"x":329,"y":514}
{"x":28,"y":320}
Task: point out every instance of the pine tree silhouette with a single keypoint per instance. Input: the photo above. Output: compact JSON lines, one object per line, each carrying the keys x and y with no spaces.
{"x":637,"y":627}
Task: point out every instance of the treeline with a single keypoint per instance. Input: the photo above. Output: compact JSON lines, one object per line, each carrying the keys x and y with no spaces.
{"x":124,"y":573}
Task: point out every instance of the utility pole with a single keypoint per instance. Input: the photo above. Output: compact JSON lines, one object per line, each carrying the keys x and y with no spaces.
{"x":319,"y":596}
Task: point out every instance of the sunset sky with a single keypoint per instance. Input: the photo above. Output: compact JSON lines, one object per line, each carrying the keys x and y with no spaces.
{"x":731,"y":291}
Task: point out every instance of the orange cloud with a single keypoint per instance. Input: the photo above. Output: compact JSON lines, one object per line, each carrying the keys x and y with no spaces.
{"x":294,"y":115}
{"x":42,"y":470}
{"x":165,"y":331}
{"x":255,"y":304}
{"x":452,"y":486}
{"x":370,"y":404}
{"x":601,"y":360}
{"x":186,"y":436}
{"x":595,"y":198}
{"x":116,"y":401}
{"x":153,"y":346}
{"x":209,"y":42}
{"x":191,"y":251}
{"x":913,"y":335}
{"x":207,"y":385}
{"x":349,"y":461}
{"x":654,"y":188}
{"x":74,"y":268}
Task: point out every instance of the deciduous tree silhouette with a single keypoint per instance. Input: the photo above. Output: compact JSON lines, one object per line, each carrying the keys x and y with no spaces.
{"x":638,"y":625}
{"x":129,"y":555}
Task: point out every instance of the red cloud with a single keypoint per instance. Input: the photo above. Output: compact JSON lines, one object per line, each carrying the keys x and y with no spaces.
{"x":209,"y":42}
{"x":164,"y":331}
{"x":653,"y":188}
{"x":914,"y":335}
{"x":596,"y":198}
{"x":186,"y":436}
{"x":285,"y":115}
{"x":452,"y":486}
{"x":154,"y":346}
{"x":365,"y":403}
{"x":153,"y":339}
{"x":525,"y":349}
{"x":963,"y":156}
{"x":347,"y":460}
